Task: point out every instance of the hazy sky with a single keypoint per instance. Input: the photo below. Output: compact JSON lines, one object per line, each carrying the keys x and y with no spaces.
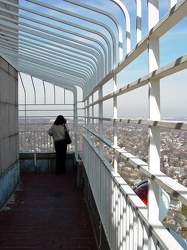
{"x":172,"y":46}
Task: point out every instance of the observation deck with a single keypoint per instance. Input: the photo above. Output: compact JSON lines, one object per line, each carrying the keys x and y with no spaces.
{"x":117,"y":72}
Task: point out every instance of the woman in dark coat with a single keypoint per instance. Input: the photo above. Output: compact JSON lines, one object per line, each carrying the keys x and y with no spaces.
{"x":58,"y":133}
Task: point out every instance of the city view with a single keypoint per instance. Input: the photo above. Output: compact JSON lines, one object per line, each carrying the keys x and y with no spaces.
{"x":132,"y":138}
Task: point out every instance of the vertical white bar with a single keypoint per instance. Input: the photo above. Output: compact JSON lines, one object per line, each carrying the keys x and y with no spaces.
{"x":25,"y":99}
{"x":101,"y":120}
{"x":115,"y":125}
{"x":140,"y":234}
{"x":43,"y":136}
{"x":131,"y":229}
{"x":124,"y":226}
{"x":54,"y":94}
{"x":138,"y":20}
{"x":117,"y":217}
{"x":135,"y":229}
{"x":110,"y":208}
{"x":93,"y":120}
{"x":88,"y":119}
{"x":127,"y":226}
{"x":34,"y":89}
{"x":35,"y":148}
{"x":121,"y":221}
{"x":145,"y":237}
{"x":113,"y":216}
{"x":154,"y":114}
{"x":172,"y":3}
{"x":75,"y":124}
{"x":44,"y":92}
{"x":127,"y":19}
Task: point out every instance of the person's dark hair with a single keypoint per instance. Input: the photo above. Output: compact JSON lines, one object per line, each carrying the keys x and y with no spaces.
{"x":60,"y":120}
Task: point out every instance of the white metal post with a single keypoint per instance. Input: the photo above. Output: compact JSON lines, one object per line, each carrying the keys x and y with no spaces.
{"x":138,"y":20}
{"x":33,"y":89}
{"x":172,"y":3}
{"x":25,"y":94}
{"x":92,"y":108}
{"x":154,"y":113}
{"x":127,"y":19}
{"x":35,"y":148}
{"x":101,"y":120}
{"x":115,"y":125}
{"x":88,"y":119}
{"x":75,"y":124}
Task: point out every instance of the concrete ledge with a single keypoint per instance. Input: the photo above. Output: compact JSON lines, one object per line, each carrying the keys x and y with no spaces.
{"x":43,"y":155}
{"x":43,"y":162}
{"x":8,"y":182}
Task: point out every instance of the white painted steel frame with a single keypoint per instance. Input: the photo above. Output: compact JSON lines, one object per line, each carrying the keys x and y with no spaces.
{"x":121,"y":211}
{"x":94,"y":161}
{"x":120,"y":37}
{"x":89,"y":54}
{"x":154,"y":191}
{"x":127,"y":222}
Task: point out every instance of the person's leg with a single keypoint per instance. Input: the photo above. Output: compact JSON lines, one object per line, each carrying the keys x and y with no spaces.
{"x":58,"y":157}
{"x":60,"y":148}
{"x":63,"y":153}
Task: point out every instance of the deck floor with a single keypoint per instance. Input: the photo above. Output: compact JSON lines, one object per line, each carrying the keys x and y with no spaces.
{"x":46,"y":211}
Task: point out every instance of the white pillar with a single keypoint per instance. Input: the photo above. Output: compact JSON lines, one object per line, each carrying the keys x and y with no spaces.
{"x":154,"y":113}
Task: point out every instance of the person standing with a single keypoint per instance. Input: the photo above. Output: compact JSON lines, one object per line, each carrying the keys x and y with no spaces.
{"x":57,"y":131}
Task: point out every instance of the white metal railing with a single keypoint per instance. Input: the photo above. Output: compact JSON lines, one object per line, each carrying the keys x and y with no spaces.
{"x":127,"y":222}
{"x":35,"y":141}
{"x":124,"y":216}
{"x":39,"y":142}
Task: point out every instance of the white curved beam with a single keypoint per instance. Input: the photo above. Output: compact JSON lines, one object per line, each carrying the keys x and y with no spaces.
{"x":103,"y":12}
{"x":37,"y":39}
{"x":53,"y":18}
{"x":126,"y":15}
{"x":138,"y":20}
{"x":80,"y":17}
{"x":43,"y":23}
{"x":48,"y":38}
